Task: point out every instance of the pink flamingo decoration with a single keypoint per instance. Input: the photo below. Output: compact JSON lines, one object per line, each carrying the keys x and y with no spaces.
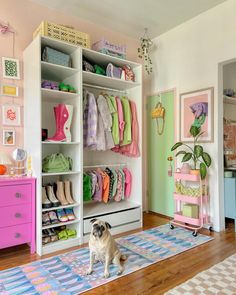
{"x":5,"y":28}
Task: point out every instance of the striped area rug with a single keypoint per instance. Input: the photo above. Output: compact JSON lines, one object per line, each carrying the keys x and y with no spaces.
{"x":66,"y":274}
{"x":219,"y":279}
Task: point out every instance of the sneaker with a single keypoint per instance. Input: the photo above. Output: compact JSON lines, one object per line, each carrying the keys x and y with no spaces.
{"x":45,"y":219}
{"x":70,"y":213}
{"x":53,"y":217}
{"x":62,"y":215}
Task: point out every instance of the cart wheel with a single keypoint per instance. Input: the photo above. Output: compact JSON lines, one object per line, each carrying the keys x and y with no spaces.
{"x":194,"y":233}
{"x":211,"y":229}
{"x":172,"y":226}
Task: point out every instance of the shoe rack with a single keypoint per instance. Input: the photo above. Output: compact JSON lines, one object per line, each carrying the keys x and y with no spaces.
{"x":39,"y":107}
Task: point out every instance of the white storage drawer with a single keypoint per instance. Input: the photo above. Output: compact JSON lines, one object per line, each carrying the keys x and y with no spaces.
{"x":115,"y":219}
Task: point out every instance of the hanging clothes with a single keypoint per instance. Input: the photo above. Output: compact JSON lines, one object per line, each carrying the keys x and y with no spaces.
{"x":90,"y":117}
{"x":111,"y":176}
{"x":98,"y":188}
{"x":120,"y":119}
{"x":105,"y":114}
{"x":111,"y":101}
{"x":87,"y":185}
{"x":128,"y":119}
{"x":128,"y":182}
{"x":105,"y":185}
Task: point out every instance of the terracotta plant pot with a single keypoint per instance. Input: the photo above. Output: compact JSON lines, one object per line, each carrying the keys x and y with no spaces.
{"x":195,"y":171}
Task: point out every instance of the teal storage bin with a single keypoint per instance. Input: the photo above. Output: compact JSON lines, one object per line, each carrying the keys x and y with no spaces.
{"x":56,"y":57}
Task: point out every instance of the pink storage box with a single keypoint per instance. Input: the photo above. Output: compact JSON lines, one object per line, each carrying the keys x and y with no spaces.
{"x":104,"y":46}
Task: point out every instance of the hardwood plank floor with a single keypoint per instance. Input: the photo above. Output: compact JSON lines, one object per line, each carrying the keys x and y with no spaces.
{"x":157,"y":278}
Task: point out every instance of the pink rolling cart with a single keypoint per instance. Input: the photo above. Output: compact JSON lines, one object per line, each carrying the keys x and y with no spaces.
{"x":181,"y":197}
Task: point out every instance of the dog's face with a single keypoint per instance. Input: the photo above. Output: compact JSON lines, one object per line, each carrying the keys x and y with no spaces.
{"x":99,"y":228}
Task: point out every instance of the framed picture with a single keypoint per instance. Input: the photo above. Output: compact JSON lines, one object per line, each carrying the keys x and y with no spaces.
{"x":10,"y":68}
{"x":196,"y":108}
{"x":11,"y":115}
{"x":9,"y":90}
{"x":8,"y":137}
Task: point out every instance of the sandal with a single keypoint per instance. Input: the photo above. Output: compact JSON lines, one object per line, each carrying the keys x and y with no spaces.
{"x":52,"y":234}
{"x":53,"y":217}
{"x":62,"y":215}
{"x":71,"y":233}
{"x":71,"y":89}
{"x":69,"y":213}
{"x":62,"y":235}
{"x":45,"y":238}
{"x":45,"y":219}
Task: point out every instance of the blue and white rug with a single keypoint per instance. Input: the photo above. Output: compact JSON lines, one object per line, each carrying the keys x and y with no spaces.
{"x":66,"y":274}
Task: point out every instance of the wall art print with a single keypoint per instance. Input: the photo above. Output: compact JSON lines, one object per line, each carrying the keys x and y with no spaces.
{"x":11,"y":115}
{"x":8,"y":137}
{"x":196,"y":108}
{"x":9,"y":90}
{"x":10,"y":68}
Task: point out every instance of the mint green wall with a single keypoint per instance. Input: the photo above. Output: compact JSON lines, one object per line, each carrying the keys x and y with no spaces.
{"x":160,"y":185}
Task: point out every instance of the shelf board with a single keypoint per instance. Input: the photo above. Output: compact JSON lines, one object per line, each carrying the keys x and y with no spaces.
{"x":60,"y":173}
{"x":60,"y":224}
{"x":190,"y":199}
{"x":60,"y":143}
{"x":60,"y":243}
{"x":188,"y":177}
{"x":103,"y":59}
{"x":56,"y":72}
{"x":104,"y":81}
{"x":60,"y":207}
{"x":91,"y":209}
{"x":56,"y":95}
{"x":229,"y":100}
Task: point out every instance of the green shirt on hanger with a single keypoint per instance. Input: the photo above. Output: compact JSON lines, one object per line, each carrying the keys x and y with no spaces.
{"x":128,"y":121}
{"x":111,"y":100}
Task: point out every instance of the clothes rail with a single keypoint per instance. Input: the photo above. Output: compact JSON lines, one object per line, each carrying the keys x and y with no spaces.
{"x":107,"y":165}
{"x":104,"y":88}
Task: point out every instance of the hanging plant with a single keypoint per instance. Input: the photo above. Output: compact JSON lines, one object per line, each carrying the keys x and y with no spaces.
{"x":144,"y":51}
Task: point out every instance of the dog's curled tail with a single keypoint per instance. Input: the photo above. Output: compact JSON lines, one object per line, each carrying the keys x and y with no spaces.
{"x":123,"y":257}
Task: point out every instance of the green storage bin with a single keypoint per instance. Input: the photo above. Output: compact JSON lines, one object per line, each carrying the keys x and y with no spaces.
{"x":191,"y":210}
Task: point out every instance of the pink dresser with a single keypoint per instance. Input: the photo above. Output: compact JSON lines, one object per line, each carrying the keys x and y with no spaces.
{"x":17,"y":212}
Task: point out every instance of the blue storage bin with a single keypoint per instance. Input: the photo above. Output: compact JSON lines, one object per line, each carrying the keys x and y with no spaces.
{"x":56,"y":57}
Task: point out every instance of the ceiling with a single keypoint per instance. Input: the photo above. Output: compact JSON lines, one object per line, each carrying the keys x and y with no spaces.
{"x":130,"y":17}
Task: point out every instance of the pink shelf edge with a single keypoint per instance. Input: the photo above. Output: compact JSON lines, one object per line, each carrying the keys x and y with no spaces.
{"x":190,"y":177}
{"x":193,"y":221}
{"x":189,"y":199}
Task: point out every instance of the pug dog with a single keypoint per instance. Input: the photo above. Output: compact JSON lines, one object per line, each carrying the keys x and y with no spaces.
{"x":103,"y":248}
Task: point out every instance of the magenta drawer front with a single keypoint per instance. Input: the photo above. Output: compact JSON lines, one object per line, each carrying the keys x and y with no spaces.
{"x":15,"y":235}
{"x":15,"y":194}
{"x":14,"y":215}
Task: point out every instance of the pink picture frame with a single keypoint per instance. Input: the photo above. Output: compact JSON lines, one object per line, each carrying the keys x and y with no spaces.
{"x":196,"y":108}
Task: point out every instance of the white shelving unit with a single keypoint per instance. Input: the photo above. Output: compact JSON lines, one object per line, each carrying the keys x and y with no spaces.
{"x":39,"y":103}
{"x":123,"y":216}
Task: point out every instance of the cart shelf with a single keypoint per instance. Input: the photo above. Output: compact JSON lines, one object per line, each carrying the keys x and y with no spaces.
{"x":189,"y":199}
{"x":188,"y":177}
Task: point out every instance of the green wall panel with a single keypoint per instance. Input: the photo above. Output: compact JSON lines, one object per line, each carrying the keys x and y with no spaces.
{"x":160,"y":185}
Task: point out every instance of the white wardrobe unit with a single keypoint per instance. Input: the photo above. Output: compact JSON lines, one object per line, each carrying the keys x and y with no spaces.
{"x":38,"y":113}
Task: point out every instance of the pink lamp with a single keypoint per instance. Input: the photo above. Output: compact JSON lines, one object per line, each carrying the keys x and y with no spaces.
{"x":4,"y":160}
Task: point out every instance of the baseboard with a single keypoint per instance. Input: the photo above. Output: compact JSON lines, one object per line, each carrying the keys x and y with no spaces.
{"x":160,"y":215}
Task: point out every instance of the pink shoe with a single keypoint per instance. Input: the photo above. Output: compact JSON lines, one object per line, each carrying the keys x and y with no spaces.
{"x":63,"y":116}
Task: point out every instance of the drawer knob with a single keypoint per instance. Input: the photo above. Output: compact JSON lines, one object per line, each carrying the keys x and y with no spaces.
{"x":17,"y":235}
{"x":18,"y":195}
{"x":18,"y":215}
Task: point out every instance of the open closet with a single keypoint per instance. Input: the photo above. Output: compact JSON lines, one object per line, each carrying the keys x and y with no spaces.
{"x":229,"y":139}
{"x":123,"y":212}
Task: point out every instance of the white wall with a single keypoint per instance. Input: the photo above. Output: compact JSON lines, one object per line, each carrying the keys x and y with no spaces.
{"x":189,"y":58}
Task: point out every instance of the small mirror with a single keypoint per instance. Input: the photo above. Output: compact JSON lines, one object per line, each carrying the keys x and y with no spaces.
{"x":19,"y":155}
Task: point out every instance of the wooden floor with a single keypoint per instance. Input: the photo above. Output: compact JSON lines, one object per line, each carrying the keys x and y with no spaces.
{"x":155,"y":279}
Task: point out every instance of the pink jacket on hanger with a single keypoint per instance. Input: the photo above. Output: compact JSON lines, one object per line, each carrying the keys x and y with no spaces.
{"x":128,"y":182}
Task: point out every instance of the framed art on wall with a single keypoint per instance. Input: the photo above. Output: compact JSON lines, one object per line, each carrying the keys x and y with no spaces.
{"x":11,"y":115}
{"x":196,"y":108}
{"x":10,"y":68}
{"x":8,"y":137}
{"x":9,"y":90}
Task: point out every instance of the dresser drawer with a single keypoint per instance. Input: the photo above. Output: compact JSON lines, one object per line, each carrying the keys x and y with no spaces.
{"x":115,"y":219}
{"x":13,"y":215}
{"x":15,"y":235}
{"x":15,"y":194}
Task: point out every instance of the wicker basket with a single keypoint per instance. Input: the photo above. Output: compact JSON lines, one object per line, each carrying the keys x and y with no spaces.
{"x":62,"y":33}
{"x":182,"y":189}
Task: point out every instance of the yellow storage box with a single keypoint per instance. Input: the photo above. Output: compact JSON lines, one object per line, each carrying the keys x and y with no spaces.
{"x":191,"y":210}
{"x":62,"y":33}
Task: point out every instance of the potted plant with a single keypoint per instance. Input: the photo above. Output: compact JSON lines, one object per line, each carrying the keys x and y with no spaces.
{"x":195,"y":153}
